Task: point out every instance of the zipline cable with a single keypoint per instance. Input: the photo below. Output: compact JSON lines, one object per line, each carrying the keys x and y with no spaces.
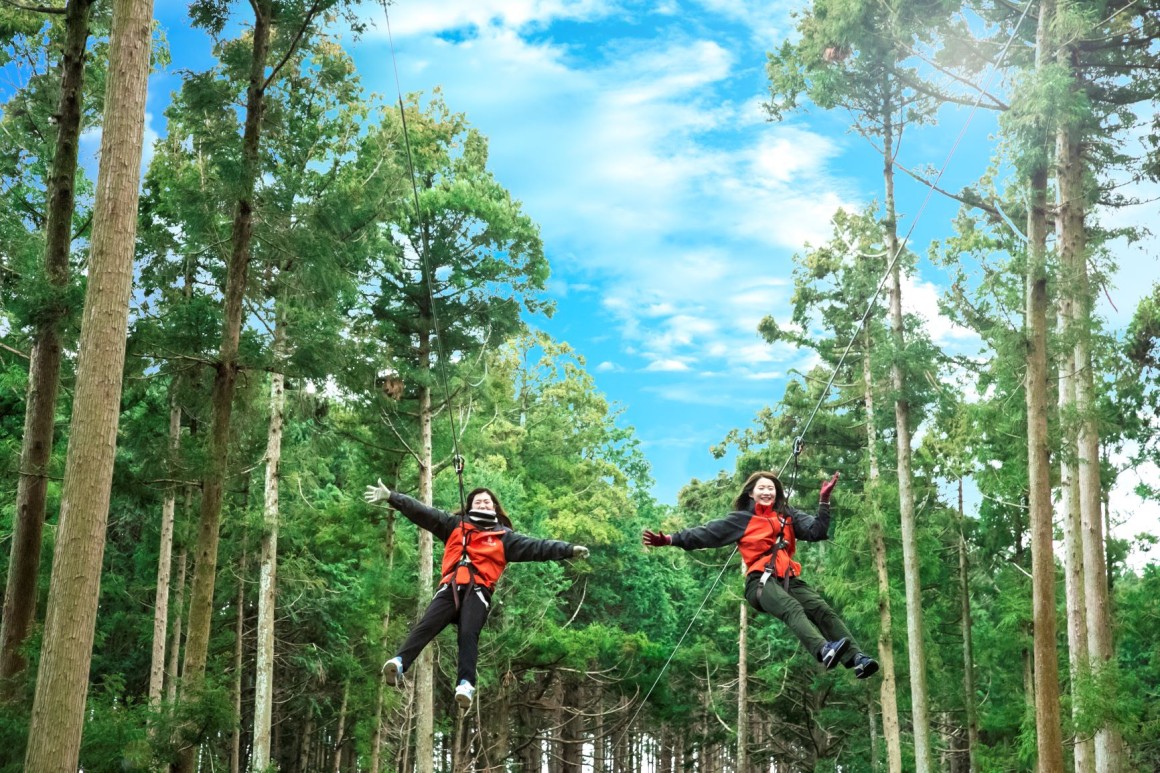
{"x":428,"y":273}
{"x":799,"y":441}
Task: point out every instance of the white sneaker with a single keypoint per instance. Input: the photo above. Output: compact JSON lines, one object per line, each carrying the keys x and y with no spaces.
{"x":393,"y":670}
{"x":464,"y":693}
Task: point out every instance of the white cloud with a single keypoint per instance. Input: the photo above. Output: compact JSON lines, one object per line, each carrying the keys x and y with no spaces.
{"x":921,"y":298}
{"x":768,"y":21}
{"x":609,"y":367}
{"x":666,"y":366}
{"x":419,"y":18}
{"x":649,"y":173}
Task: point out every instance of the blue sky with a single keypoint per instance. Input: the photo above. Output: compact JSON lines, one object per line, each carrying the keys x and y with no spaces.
{"x":670,"y":208}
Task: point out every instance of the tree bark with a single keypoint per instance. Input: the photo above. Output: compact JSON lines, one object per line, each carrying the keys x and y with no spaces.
{"x":268,"y":572}
{"x":1084,"y":751}
{"x":1089,"y":628}
{"x":888,"y":691}
{"x":377,"y":736}
{"x":340,"y":735}
{"x":572,"y":731}
{"x":1049,"y":741}
{"x":1101,"y":651}
{"x":743,"y":688}
{"x":225,"y":378}
{"x":164,"y":565}
{"x":179,"y":605}
{"x":239,"y":631}
{"x":968,"y":646}
{"x":916,"y":646}
{"x":44,"y":366}
{"x":62,"y":680}
{"x":424,"y":676}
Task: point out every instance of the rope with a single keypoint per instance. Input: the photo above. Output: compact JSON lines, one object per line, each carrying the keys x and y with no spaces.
{"x":799,"y":441}
{"x":427,"y":272}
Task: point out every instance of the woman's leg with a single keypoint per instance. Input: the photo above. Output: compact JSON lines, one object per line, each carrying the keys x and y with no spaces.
{"x":440,"y":612}
{"x":775,"y":601}
{"x":823,"y":616}
{"x":472,"y":615}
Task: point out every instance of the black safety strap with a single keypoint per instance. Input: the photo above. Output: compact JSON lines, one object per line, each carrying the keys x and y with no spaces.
{"x":778,"y":545}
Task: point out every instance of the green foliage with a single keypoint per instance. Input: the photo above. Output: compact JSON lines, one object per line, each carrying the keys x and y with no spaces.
{"x":348,"y":279}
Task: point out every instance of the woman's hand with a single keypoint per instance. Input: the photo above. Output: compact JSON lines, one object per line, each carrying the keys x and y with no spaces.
{"x":579,"y":551}
{"x":656,"y":539}
{"x":827,"y":487}
{"x":376,"y":494}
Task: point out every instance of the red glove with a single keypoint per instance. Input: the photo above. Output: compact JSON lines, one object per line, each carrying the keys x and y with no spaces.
{"x":827,"y":487}
{"x":656,"y":539}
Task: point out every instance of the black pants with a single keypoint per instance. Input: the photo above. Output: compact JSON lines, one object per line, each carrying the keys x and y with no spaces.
{"x":803,"y":610}
{"x":474,"y":604}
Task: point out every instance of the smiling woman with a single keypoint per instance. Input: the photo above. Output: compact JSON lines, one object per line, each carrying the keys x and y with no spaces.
{"x":479,"y":544}
{"x":766,"y":529}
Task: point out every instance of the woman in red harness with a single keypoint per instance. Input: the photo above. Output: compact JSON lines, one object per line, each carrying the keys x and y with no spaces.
{"x":767,"y":529}
{"x":478,"y":545}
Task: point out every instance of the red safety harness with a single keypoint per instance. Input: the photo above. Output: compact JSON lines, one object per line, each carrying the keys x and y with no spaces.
{"x":460,"y":571}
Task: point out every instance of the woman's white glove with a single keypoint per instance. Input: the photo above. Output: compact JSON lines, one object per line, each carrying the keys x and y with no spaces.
{"x":376,"y":494}
{"x":579,"y":551}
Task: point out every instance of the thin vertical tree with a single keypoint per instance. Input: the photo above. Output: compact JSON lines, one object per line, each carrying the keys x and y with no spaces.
{"x":228,"y":365}
{"x":45,"y":360}
{"x":1071,"y":177}
{"x":58,"y":709}
{"x":1049,"y":743}
{"x":1067,"y":229}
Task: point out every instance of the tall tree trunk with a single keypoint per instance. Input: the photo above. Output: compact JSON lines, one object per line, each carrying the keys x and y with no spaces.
{"x":968,"y":646}
{"x":164,"y":562}
{"x":599,"y":742}
{"x":44,"y":365}
{"x":377,"y":736}
{"x":304,"y":760}
{"x":239,"y":631}
{"x":424,"y":677}
{"x":1101,"y":650}
{"x":225,"y":378}
{"x":500,"y":740}
{"x":888,"y":691}
{"x":743,"y":688}
{"x":268,"y":571}
{"x":179,"y":606}
{"x":340,"y":735}
{"x":58,"y":708}
{"x":1049,"y":741}
{"x":573,"y":728}
{"x":555,"y":716}
{"x":1084,"y":750}
{"x":1091,"y":597}
{"x":916,"y":646}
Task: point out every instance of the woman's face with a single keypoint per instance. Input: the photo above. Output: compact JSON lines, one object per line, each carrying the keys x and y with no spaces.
{"x":764,"y":491}
{"x":482,"y":503}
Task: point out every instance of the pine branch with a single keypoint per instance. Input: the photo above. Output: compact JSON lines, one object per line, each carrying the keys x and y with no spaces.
{"x":293,"y":47}
{"x":17,"y":352}
{"x":995,"y":101}
{"x":34,"y":8}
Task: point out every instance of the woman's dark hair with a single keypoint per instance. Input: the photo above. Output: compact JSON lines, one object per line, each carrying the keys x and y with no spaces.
{"x":744,"y":500}
{"x":499,"y":511}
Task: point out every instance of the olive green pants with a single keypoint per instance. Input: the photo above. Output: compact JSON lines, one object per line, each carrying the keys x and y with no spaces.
{"x":805,"y":612}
